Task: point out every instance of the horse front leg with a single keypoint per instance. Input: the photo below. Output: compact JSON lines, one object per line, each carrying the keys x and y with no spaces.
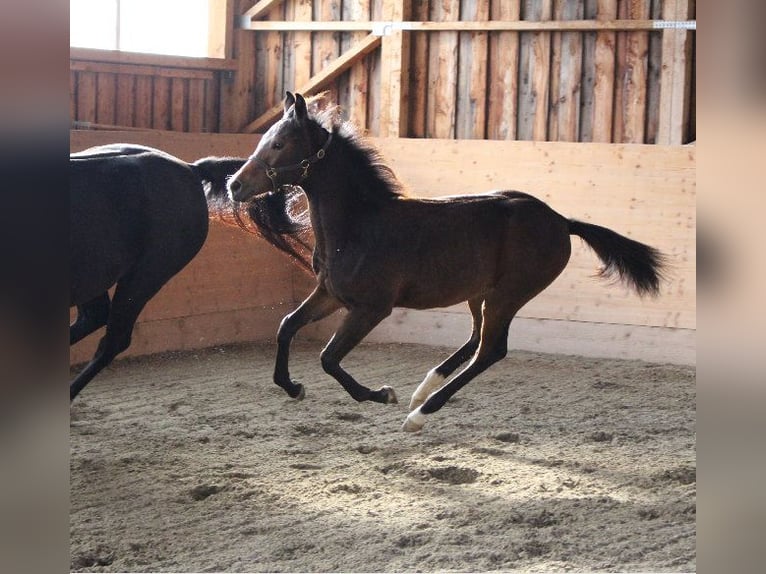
{"x":355,"y":327}
{"x":318,"y":305}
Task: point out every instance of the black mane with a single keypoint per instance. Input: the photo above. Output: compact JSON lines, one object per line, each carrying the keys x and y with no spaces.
{"x":376,"y":180}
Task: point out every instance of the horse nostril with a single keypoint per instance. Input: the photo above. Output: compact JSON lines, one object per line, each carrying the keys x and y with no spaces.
{"x":235,"y":185}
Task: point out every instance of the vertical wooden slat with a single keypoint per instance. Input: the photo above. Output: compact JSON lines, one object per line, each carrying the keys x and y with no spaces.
{"x":178,"y":104}
{"x":442,"y":73}
{"x":394,"y":73}
{"x":502,"y":105}
{"x":302,"y":44}
{"x":73,"y":95}
{"x":126,"y":99}
{"x":603,"y":84}
{"x":106,"y":92}
{"x":535,"y":79}
{"x":143,"y":101}
{"x":471,"y":105}
{"x":356,"y":81}
{"x":267,"y":82}
{"x":196,"y":105}
{"x":566,"y":75}
{"x":676,"y":75}
{"x":588,"y":74}
{"x":653,"y":77}
{"x":375,"y":70}
{"x":630,"y":92}
{"x":326,"y":45}
{"x":212,"y":106}
{"x":418,"y":85}
{"x":161,"y":103}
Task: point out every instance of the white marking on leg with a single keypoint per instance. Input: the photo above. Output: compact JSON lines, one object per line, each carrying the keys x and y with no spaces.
{"x":414,"y":421}
{"x":432,"y":382}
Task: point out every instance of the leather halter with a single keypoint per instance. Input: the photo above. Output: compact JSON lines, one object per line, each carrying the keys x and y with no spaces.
{"x":273,"y":172}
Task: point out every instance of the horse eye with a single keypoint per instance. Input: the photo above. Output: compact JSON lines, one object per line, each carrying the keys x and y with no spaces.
{"x":277,"y":145}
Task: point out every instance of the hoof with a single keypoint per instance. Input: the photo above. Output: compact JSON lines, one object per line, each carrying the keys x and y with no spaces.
{"x":390,"y":395}
{"x":414,"y":421}
{"x":301,"y":392}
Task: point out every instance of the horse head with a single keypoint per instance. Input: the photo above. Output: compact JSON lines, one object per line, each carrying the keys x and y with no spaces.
{"x":285,"y":153}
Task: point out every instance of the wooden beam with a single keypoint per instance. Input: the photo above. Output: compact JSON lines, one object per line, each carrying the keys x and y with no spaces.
{"x":130,"y":69}
{"x":260,"y":8}
{"x":141,"y":59}
{"x":320,"y":80}
{"x":385,"y":27}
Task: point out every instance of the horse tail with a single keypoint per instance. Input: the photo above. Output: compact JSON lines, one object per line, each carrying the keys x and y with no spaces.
{"x":636,"y":264}
{"x":215,"y":173}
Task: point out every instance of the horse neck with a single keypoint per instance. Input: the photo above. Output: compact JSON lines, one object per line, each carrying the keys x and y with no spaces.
{"x":337,"y":204}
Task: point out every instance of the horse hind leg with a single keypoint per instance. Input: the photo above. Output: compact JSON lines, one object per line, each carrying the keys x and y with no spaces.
{"x":130,"y":297}
{"x":436,"y":376}
{"x":90,"y":316}
{"x":493,"y":347}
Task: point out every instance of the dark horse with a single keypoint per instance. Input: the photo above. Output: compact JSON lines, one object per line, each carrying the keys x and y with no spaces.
{"x":137,"y":217}
{"x":377,"y":249}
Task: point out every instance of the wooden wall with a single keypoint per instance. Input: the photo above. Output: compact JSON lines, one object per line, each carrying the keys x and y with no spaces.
{"x":238,"y":288}
{"x":542,"y":70}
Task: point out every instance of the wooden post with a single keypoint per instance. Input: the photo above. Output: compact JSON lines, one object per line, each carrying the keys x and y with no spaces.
{"x":394,"y":76}
{"x":675,"y":87}
{"x":418,"y":75}
{"x":358,"y":75}
{"x":534,"y":88}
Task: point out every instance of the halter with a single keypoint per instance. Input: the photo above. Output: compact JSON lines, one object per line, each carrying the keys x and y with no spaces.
{"x":273,"y":172}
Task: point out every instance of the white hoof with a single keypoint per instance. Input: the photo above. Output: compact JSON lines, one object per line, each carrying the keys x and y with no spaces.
{"x":414,"y":421}
{"x":432,"y":382}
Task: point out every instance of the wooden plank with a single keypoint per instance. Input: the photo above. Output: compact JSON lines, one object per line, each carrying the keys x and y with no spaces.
{"x":588,"y":75}
{"x":106,"y":88}
{"x":534,"y":79}
{"x":195,"y":107}
{"x":504,"y":74}
{"x":653,"y":78}
{"x":603,"y":85}
{"x":566,"y":75}
{"x":302,"y":44}
{"x":83,"y":55}
{"x":161,"y":104}
{"x":238,"y":92}
{"x":394,"y":74}
{"x":442,"y":73}
{"x":72,"y":95}
{"x":220,"y":28}
{"x":471,"y":101}
{"x":462,"y":26}
{"x":632,"y":65}
{"x":100,"y":67}
{"x":261,"y":8}
{"x":126,"y":98}
{"x":143,"y":102}
{"x":319,"y":81}
{"x":178,"y":104}
{"x":418,"y":84}
{"x":326,"y":45}
{"x":676,"y":76}
{"x":356,"y":82}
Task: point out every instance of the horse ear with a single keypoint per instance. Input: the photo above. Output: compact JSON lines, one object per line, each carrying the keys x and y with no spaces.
{"x":300,"y":107}
{"x":289,"y":100}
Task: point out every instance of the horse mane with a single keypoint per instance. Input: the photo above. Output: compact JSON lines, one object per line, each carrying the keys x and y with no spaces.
{"x":377,"y":179}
